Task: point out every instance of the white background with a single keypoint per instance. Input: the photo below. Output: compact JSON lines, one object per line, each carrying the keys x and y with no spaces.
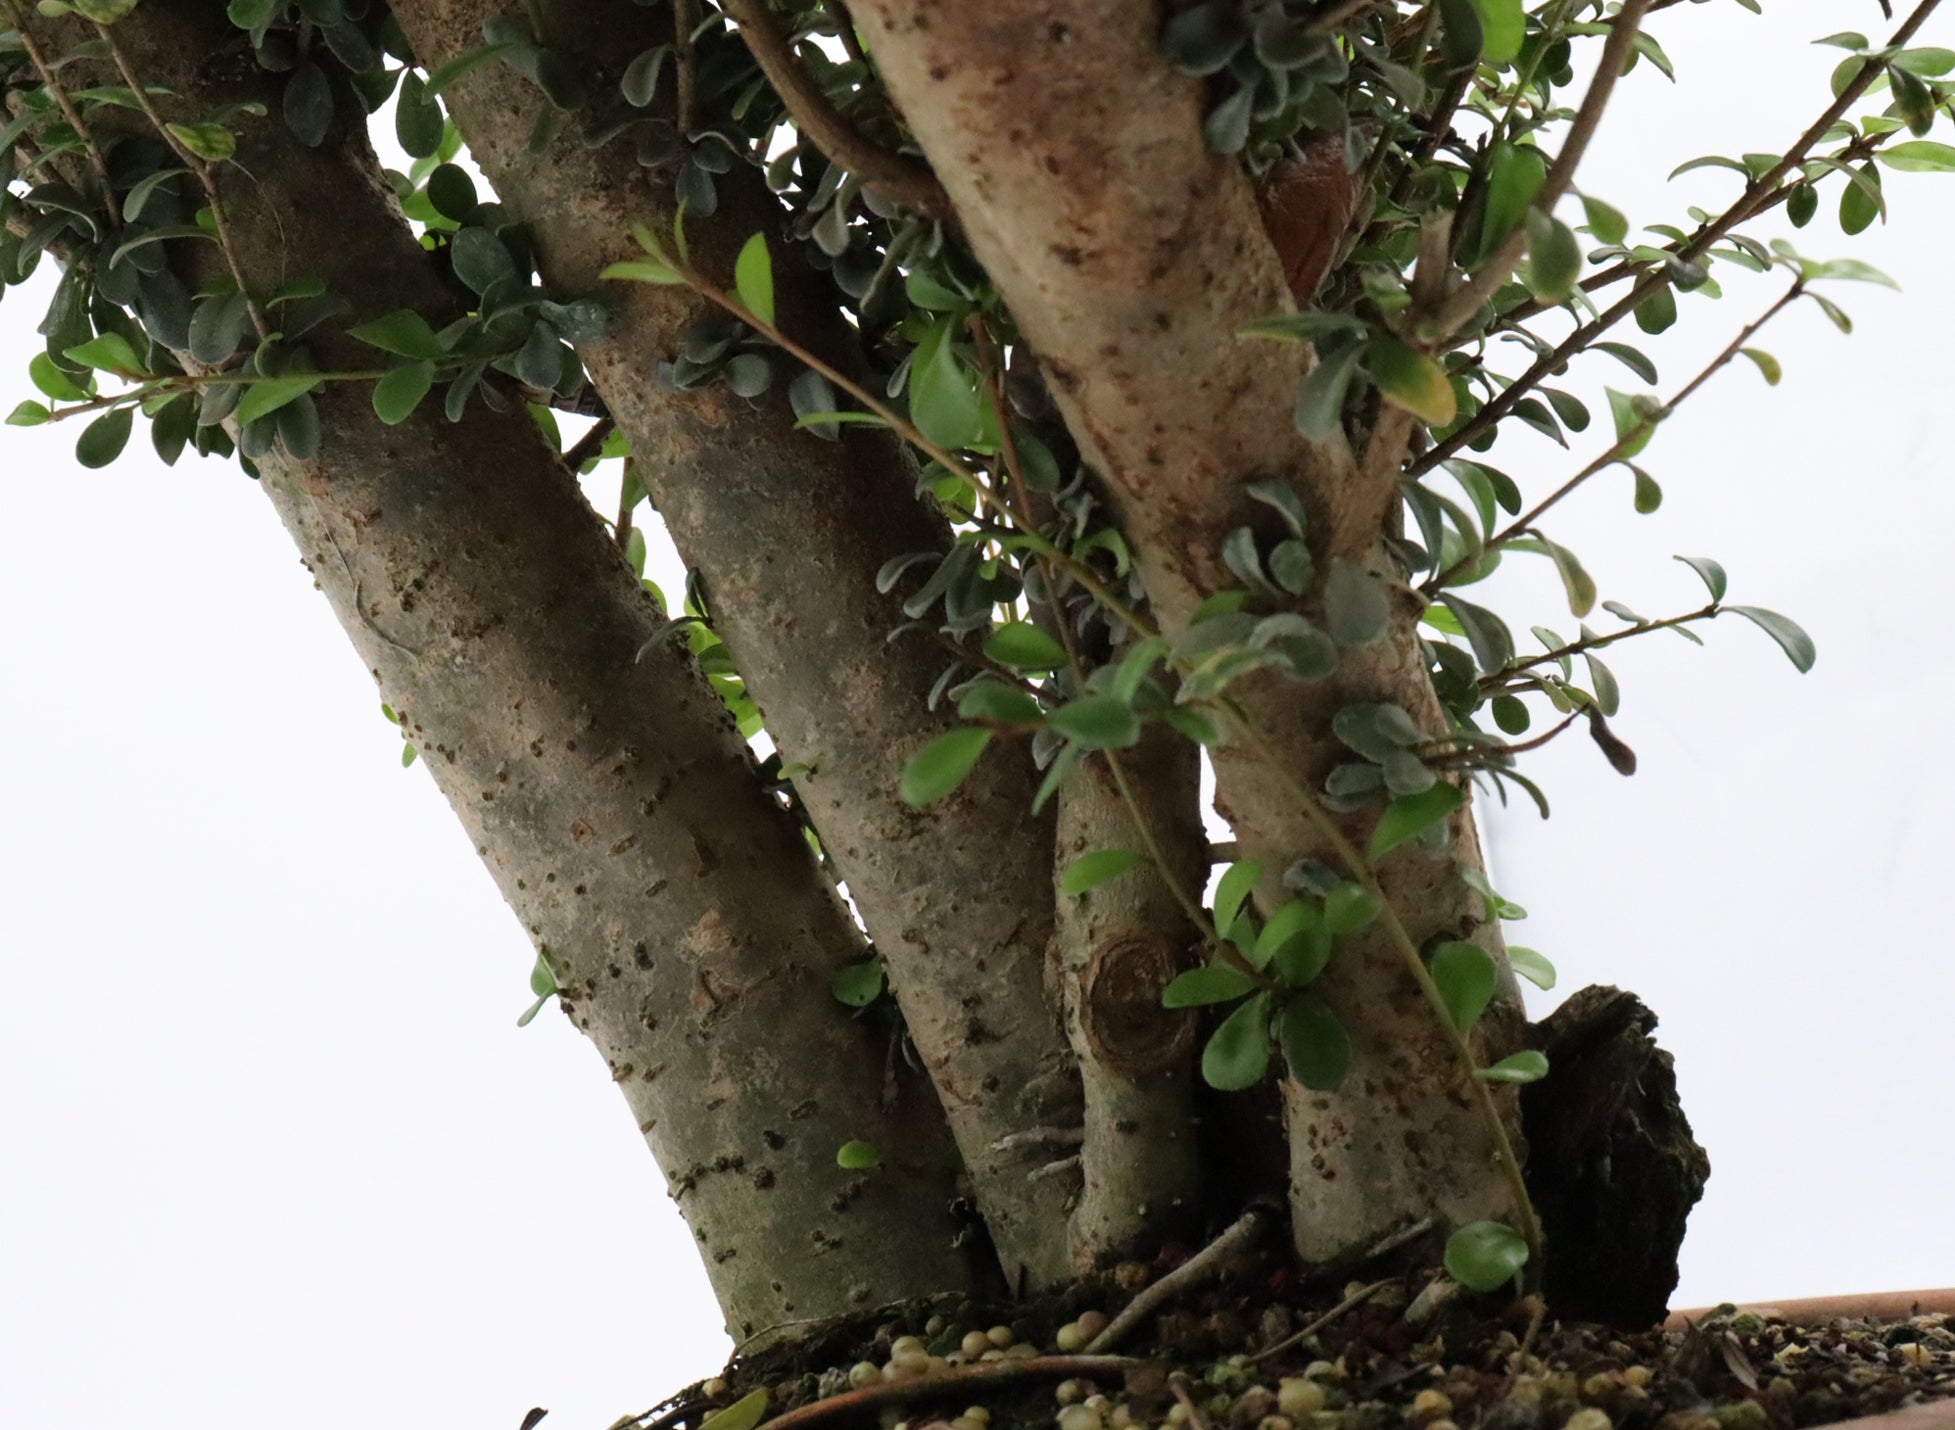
{"x":275,"y":1151}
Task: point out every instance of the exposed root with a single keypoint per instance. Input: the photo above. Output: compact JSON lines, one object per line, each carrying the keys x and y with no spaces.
{"x":950,"y":1384}
{"x":1195,"y":1269}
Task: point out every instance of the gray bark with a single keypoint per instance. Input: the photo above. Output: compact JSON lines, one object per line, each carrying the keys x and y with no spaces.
{"x":789,"y":531}
{"x":609,"y":796}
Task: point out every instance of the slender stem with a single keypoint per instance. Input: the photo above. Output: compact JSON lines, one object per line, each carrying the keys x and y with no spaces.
{"x":205,"y":177}
{"x":1474,"y":293}
{"x":838,"y":15}
{"x":1500,"y":678}
{"x":1621,"y":446}
{"x":67,"y":106}
{"x":909,"y":181}
{"x":177,"y":383}
{"x":588,"y":446}
{"x":685,"y":20}
{"x":1498,"y":749}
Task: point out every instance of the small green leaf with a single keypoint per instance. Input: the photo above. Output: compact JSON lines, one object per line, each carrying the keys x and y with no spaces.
{"x":642,"y":272}
{"x":1348,"y":908}
{"x":746,"y":1412}
{"x":542,"y":977}
{"x":52,"y":381}
{"x":1315,"y":1044}
{"x":1513,"y":179}
{"x":268,"y":394}
{"x":1410,"y":815}
{"x":1024,"y":646}
{"x":1525,"y":1066}
{"x":753,"y":278}
{"x":109,"y":352}
{"x":396,"y":395}
{"x":1709,"y":572}
{"x":1554,"y":256}
{"x":1767,"y":364}
{"x":858,"y":985}
{"x":29,"y":414}
{"x":1649,"y":496}
{"x":104,"y":12}
{"x":1412,"y":380}
{"x":403,"y":332}
{"x":1575,"y":580}
{"x":1295,"y":941}
{"x":1089,"y":871}
{"x":1097,"y":722}
{"x":102,"y":440}
{"x":207,"y":141}
{"x":1231,"y":890}
{"x":1532,"y":966}
{"x":1793,"y":640}
{"x":1237,"y":1055}
{"x":464,"y":63}
{"x":857,"y":1156}
{"x":1604,"y":221}
{"x":1503,"y":26}
{"x":1919,"y":156}
{"x":1320,"y":399}
{"x":944,"y":400}
{"x":1213,"y":983}
{"x":940,"y":766}
{"x":1485,"y":1255}
{"x":1465,"y":975}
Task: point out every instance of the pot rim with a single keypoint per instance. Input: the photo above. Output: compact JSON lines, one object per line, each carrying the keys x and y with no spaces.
{"x":1872,"y":1305}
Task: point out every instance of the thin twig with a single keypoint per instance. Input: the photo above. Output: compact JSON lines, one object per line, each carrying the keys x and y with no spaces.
{"x":1350,"y":1303}
{"x":588,"y":445}
{"x":68,"y":110}
{"x":1497,"y":749}
{"x":1620,"y":447}
{"x":906,"y":180}
{"x":1195,"y":1269}
{"x":205,"y":177}
{"x":1500,"y":679}
{"x":958,"y":1381}
{"x":844,"y":23}
{"x":1178,"y":1384}
{"x":1474,"y":293}
{"x":1757,"y":197}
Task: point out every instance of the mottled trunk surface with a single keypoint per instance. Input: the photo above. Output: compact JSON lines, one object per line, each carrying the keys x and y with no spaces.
{"x":596,"y":773}
{"x":789,"y":532}
{"x":1131,"y":257}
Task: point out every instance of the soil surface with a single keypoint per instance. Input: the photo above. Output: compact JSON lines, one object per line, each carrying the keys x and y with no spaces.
{"x":1259,"y":1353}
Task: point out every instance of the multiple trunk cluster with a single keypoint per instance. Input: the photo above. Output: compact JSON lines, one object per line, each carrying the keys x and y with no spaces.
{"x":693,"y":934}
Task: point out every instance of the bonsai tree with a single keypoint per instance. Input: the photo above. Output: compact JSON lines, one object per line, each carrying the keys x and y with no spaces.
{"x":1045,"y":400}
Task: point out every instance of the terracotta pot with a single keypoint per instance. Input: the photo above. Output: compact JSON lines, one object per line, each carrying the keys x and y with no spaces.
{"x":1876,"y":1305}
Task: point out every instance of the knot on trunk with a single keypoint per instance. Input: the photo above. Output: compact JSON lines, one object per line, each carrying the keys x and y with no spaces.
{"x":1120,"y":1012}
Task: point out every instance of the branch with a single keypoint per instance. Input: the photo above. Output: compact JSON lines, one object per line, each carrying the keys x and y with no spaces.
{"x":1620,"y":448}
{"x":55,"y":88}
{"x":1494,"y":273}
{"x":1757,"y":196}
{"x":906,"y":180}
{"x":1499,"y":679}
{"x":1195,"y":1269}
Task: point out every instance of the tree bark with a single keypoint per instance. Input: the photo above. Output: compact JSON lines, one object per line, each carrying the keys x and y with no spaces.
{"x":789,"y":532}
{"x":1131,"y":257}
{"x":597,"y":775}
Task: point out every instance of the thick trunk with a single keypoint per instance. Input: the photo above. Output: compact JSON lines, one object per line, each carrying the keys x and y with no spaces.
{"x":596,"y":773}
{"x":789,"y":532}
{"x":1131,"y":257}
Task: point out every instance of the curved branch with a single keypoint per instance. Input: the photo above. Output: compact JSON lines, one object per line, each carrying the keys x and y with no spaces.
{"x":906,"y":180}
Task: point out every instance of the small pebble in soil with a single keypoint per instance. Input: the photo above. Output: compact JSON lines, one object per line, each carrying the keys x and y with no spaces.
{"x":1429,"y":1405}
{"x":1000,"y":1337}
{"x":1589,"y":1419}
{"x":1298,"y":1398}
{"x":1078,"y":1417}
